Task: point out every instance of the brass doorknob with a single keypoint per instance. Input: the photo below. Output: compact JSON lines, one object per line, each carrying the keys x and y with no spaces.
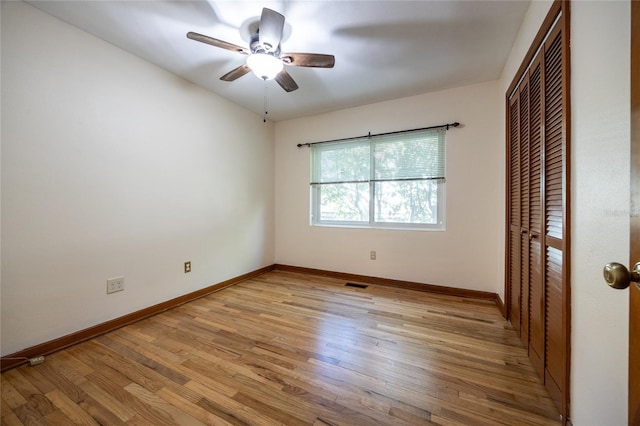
{"x":618,"y":276}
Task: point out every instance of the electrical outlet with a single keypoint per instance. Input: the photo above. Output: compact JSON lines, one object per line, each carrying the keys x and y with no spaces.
{"x":187,"y":266}
{"x":115,"y":284}
{"x":372,"y":255}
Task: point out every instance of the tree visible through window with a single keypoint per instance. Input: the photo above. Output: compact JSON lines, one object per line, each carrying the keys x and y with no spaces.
{"x":392,"y":180}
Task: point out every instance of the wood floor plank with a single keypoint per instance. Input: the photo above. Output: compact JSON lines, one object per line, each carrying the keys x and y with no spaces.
{"x":10,"y":396}
{"x":106,"y":399}
{"x":72,"y":411}
{"x":173,"y":414}
{"x":5,"y":409}
{"x":56,"y":418}
{"x":292,"y":349}
{"x":187,"y":406}
{"x":21,"y":384}
{"x":28,"y":415}
{"x":11,"y":419}
{"x":229,"y":409}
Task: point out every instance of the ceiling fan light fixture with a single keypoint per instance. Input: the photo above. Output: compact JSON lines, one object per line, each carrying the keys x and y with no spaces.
{"x":264,"y":56}
{"x":264,"y":65}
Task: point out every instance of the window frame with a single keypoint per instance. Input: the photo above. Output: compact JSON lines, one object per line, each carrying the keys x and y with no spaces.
{"x":440,"y":224}
{"x":316,"y":189}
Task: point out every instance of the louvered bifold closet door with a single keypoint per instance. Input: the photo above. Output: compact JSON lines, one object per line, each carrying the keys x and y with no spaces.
{"x":555,"y":178}
{"x":525,"y":210}
{"x":536,"y":284}
{"x":514,"y":264}
{"x":537,"y":203}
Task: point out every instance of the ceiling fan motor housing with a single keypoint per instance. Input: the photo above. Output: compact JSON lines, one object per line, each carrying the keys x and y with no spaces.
{"x":257,"y":47}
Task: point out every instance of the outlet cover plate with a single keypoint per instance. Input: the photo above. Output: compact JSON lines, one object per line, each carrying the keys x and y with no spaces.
{"x":115,"y":284}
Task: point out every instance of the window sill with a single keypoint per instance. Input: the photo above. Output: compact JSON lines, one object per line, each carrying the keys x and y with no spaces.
{"x":390,"y":227}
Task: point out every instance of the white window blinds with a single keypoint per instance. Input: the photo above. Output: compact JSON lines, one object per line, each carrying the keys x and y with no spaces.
{"x":341,"y":162}
{"x":412,"y":155}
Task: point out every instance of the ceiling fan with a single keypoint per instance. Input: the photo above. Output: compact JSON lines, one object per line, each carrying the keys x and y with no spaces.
{"x":264,"y":55}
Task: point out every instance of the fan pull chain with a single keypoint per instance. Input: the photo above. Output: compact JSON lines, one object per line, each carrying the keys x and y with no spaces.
{"x":266,"y":92}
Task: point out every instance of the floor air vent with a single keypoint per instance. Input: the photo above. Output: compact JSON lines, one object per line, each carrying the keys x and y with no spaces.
{"x":356,"y":285}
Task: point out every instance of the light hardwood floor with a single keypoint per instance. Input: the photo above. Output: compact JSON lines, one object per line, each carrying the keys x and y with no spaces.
{"x":293,"y":349}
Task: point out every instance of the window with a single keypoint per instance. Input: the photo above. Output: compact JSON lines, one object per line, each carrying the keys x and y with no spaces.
{"x":394,"y":180}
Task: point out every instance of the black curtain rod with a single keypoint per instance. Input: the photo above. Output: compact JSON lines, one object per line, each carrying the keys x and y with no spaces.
{"x":442,"y":126}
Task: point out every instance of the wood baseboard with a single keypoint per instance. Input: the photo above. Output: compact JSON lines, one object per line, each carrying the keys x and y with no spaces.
{"x":430,"y":288}
{"x":47,"y":348}
{"x":501,"y":306}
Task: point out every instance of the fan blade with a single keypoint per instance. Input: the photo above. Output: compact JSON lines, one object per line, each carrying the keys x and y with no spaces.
{"x":316,"y":60}
{"x":285,"y":81}
{"x":270,"y":30}
{"x":217,"y":43}
{"x":235,"y":73}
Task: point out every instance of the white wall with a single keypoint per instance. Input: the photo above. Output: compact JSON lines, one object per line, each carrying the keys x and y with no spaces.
{"x":600,"y":43}
{"x":467,"y":255}
{"x":114,"y":167}
{"x":599,"y":201}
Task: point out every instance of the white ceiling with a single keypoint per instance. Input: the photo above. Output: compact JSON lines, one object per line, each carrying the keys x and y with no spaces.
{"x":383,"y":49}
